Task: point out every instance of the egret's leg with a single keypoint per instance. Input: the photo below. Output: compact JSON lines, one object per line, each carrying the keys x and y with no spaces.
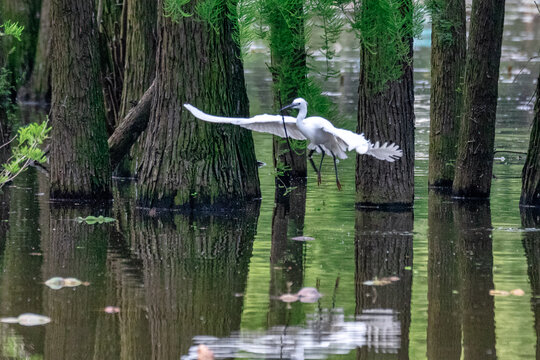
{"x":311,"y":161}
{"x":335,"y":168}
{"x":320,"y":167}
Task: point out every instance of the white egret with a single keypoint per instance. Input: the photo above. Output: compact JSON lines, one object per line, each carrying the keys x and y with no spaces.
{"x":323,"y":136}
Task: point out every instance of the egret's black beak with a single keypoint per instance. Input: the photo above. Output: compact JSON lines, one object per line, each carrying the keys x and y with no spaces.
{"x":286,"y":107}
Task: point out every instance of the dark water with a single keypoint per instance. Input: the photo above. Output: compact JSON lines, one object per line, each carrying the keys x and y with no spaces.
{"x":406,"y":285}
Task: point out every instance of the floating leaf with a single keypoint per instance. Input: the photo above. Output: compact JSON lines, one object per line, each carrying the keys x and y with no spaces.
{"x":95,"y":220}
{"x":302,"y":238}
{"x":308,"y":295}
{"x":112,"y":309}
{"x":27,"y":319}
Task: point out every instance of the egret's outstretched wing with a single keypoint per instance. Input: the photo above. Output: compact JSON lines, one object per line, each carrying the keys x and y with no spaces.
{"x":271,"y":124}
{"x":387,"y":152}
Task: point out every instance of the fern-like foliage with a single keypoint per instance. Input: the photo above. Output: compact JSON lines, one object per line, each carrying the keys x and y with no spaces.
{"x":9,"y":28}
{"x":175,"y":9}
{"x":25,"y":151}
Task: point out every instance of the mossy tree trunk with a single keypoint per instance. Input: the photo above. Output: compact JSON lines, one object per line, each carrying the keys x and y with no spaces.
{"x":448,"y":48}
{"x":386,"y":115}
{"x":79,"y":158}
{"x":474,"y":165}
{"x":140,"y":64}
{"x":289,"y":74}
{"x":111,"y":21}
{"x":40,"y":81}
{"x":530,"y":189}
{"x":188,"y":163}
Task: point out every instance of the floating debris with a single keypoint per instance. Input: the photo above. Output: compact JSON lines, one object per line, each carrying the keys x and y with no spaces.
{"x":382,"y":281}
{"x":56,"y":283}
{"x":95,"y":220}
{"x":308,"y":295}
{"x":112,"y":309}
{"x":302,"y":238}
{"x":204,"y":353}
{"x":288,"y":298}
{"x":515,"y":292}
{"x":27,"y":319}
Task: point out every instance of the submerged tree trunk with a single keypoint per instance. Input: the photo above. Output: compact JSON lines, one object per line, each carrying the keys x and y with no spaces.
{"x":474,"y":166}
{"x":40,"y":81}
{"x":79,"y":153}
{"x":448,"y":47}
{"x":530,"y":189}
{"x":289,"y":73}
{"x":140,"y":65}
{"x":386,"y":115}
{"x":188,"y":163}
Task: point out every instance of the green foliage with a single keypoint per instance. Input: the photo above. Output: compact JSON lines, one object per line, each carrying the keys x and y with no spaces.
{"x":175,"y":9}
{"x":25,"y":151}
{"x":441,"y":23}
{"x":9,"y":28}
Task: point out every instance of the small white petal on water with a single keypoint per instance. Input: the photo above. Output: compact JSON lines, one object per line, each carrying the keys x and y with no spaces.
{"x":308,"y":295}
{"x":56,"y":283}
{"x":288,"y":298}
{"x":302,"y":238}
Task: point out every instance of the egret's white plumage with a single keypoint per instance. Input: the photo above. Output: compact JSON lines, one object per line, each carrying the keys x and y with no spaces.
{"x":323,"y":136}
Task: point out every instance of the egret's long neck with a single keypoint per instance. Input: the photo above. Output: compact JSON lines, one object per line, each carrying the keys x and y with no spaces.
{"x":302,"y":112}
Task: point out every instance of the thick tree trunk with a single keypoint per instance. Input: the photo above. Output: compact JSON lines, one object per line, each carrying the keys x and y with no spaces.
{"x":448,"y":47}
{"x":40,"y":81}
{"x":188,"y":163}
{"x":386,"y":115}
{"x":444,"y":314}
{"x":128,"y":131}
{"x":289,"y":73}
{"x":111,"y":22}
{"x":21,"y":54}
{"x":79,"y":153}
{"x":530,"y":189}
{"x":474,"y":244}
{"x":384,"y":248}
{"x":140,"y":65}
{"x":474,"y":166}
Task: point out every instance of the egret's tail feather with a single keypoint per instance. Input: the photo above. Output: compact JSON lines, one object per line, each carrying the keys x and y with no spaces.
{"x":388,"y":152}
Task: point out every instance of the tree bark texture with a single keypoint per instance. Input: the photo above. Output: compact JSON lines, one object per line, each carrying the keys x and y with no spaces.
{"x":384,"y":248}
{"x":20,"y":60}
{"x":139,"y":65}
{"x":40,"y":80}
{"x":448,"y":48}
{"x":386,"y":116}
{"x":111,"y":21}
{"x":188,"y":163}
{"x":128,"y":131}
{"x":530,"y":181}
{"x":444,"y":312}
{"x":79,"y":159}
{"x":289,"y":73}
{"x":474,"y":166}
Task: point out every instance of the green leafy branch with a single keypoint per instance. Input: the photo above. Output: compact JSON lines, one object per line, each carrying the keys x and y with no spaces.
{"x":9,"y":28}
{"x":26,"y":150}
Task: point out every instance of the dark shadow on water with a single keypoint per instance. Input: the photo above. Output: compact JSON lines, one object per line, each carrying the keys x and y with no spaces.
{"x":530,"y":220}
{"x":444,"y":310}
{"x":475,"y":270}
{"x":384,"y":249}
{"x":286,"y":255}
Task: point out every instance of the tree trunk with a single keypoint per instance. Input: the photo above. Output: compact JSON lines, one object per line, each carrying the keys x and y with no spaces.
{"x":20,"y":58}
{"x":140,"y":65}
{"x":474,"y":166}
{"x":448,"y":47}
{"x":111,"y":22}
{"x":188,"y":163}
{"x":40,"y":81}
{"x":289,"y":73}
{"x":530,"y":189}
{"x":79,"y":153}
{"x":386,"y":115}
